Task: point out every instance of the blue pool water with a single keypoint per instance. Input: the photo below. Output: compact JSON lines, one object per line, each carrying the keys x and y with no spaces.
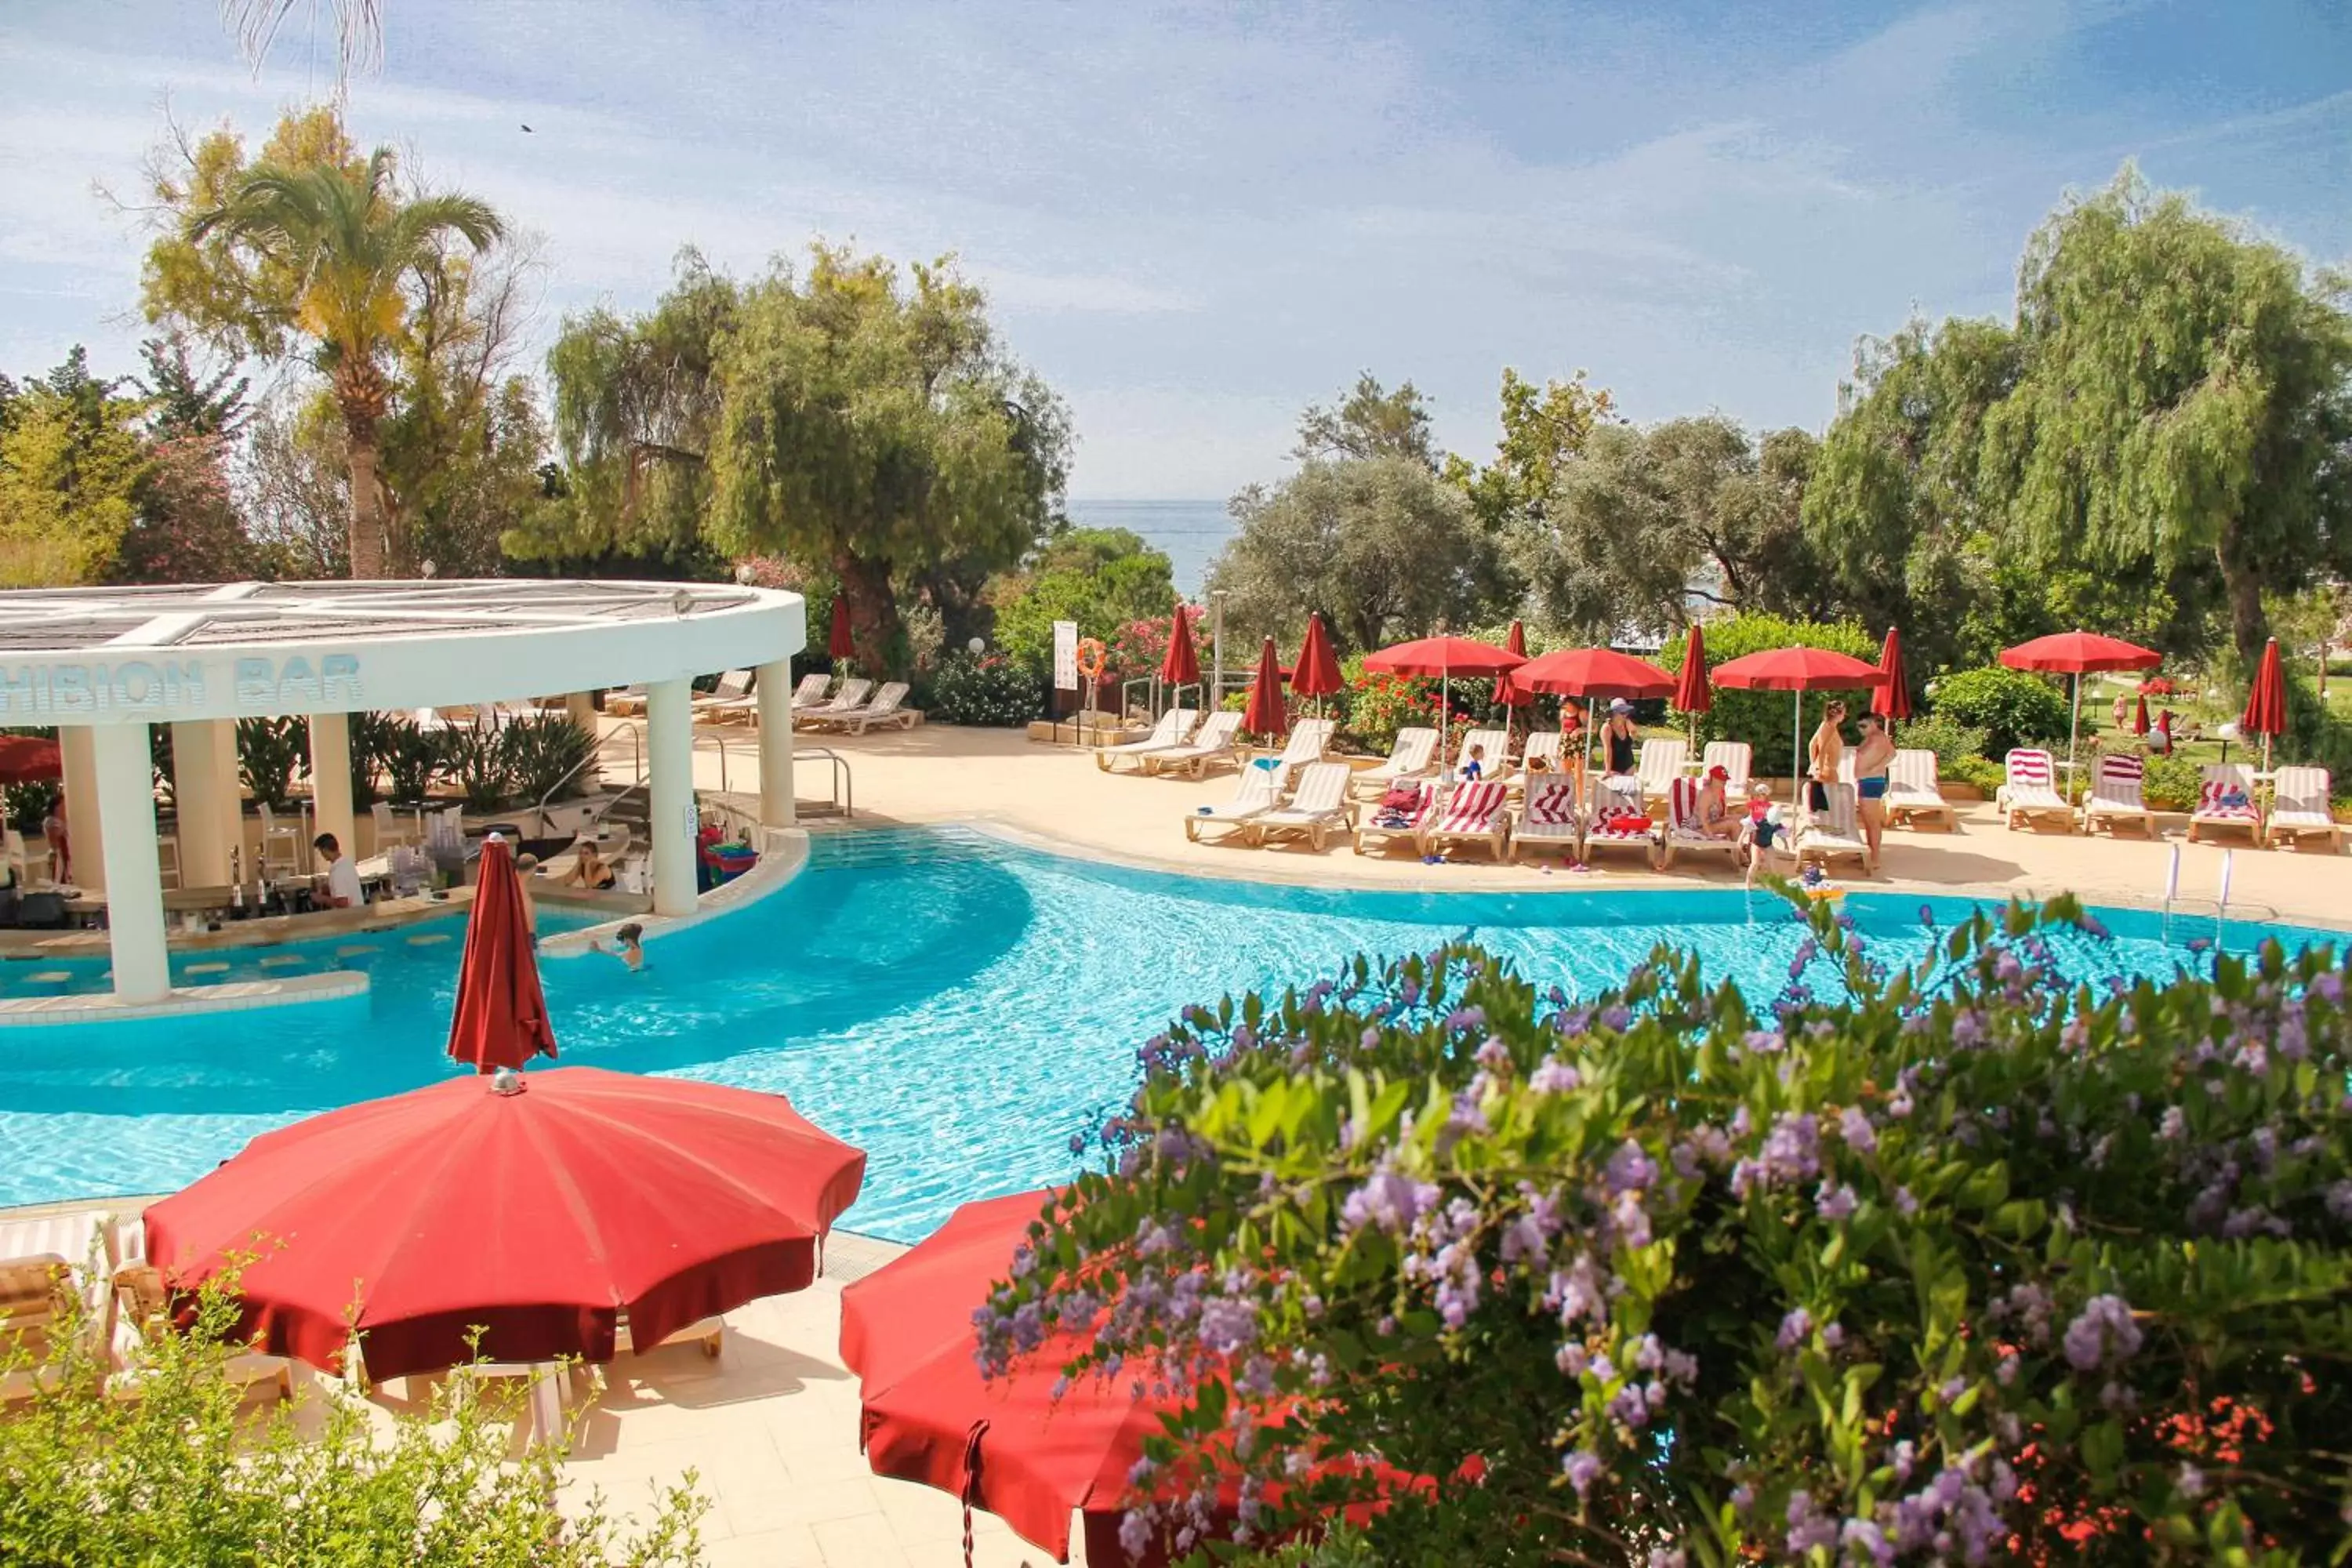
{"x":954,"y":1004}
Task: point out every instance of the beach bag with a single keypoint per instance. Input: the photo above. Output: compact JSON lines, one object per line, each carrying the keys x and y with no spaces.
{"x":1400,"y":798}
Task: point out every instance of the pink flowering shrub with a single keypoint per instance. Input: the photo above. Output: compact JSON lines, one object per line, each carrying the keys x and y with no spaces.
{"x":1944,"y":1261}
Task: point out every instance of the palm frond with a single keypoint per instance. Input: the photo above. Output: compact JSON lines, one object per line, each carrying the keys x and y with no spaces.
{"x":359,"y":30}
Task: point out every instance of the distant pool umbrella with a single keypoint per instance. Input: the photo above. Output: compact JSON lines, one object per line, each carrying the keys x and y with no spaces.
{"x":1317,"y":673}
{"x":1264,"y":715}
{"x":840,"y":644}
{"x":500,"y":1019}
{"x":544,"y":1216}
{"x":30,"y":759}
{"x":2139,"y":716}
{"x":1443,"y":658}
{"x":1591,"y":673}
{"x":1181,"y":665}
{"x":1506,"y":693}
{"x":2265,"y":713}
{"x":1893,"y":691}
{"x":1796,"y":670}
{"x":2078,"y":654}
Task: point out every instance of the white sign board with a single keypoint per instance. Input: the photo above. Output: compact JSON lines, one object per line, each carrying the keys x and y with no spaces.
{"x":1065,"y":655}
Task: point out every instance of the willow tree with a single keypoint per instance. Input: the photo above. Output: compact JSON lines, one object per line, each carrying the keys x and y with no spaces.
{"x":871,"y":423}
{"x":2185,"y":399}
{"x":313,"y":252}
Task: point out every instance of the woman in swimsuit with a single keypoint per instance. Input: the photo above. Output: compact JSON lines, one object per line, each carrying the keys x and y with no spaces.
{"x":1619,"y":735}
{"x":1870,"y":763}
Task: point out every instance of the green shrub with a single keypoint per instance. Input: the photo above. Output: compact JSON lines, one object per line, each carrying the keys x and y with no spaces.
{"x":2012,"y":706}
{"x":990,"y":690}
{"x":23,"y":806}
{"x":1762,"y":718}
{"x":1982,"y":773}
{"x":1934,"y":1256}
{"x":2170,"y":784}
{"x":547,"y":757}
{"x":182,"y":1474}
{"x":269,"y":752}
{"x":480,"y":765}
{"x":410,"y":756}
{"x":1951,"y":741}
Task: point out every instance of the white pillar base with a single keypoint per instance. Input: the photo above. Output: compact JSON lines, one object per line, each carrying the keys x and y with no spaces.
{"x":669,"y":747}
{"x":773,"y":687}
{"x":134,"y":884}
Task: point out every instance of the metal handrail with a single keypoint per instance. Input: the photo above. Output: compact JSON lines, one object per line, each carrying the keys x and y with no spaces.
{"x":596,"y":756}
{"x":843,"y":795}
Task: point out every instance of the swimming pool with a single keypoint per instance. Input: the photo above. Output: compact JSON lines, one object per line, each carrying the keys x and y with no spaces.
{"x":954,"y":1004}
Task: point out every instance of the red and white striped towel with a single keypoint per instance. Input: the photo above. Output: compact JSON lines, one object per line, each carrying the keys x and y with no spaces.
{"x":1553,"y":804}
{"x":2031,"y":769}
{"x":1473,"y":808}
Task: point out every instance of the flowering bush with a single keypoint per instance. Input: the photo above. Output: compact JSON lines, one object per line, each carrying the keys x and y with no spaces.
{"x":989,"y":690}
{"x":1942,"y":1261}
{"x":1762,"y":718}
{"x":1378,"y":706}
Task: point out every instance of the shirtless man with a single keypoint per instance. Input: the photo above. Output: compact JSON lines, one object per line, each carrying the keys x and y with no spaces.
{"x":1871,"y":760}
{"x":1821,"y":759}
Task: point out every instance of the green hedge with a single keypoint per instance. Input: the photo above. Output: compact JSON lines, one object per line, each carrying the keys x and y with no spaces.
{"x":1762,"y":718}
{"x":2012,"y":706}
{"x":990,"y":692}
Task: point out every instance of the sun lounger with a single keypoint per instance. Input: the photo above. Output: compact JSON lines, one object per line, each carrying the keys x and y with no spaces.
{"x":1173,"y":726}
{"x":1736,"y":759}
{"x":2300,"y":809}
{"x":1379,"y":829}
{"x":1912,"y":791}
{"x":2115,"y":796}
{"x":810,"y":692}
{"x":2223,"y":779}
{"x":1495,"y":747}
{"x":1213,"y":744}
{"x":1825,"y":835}
{"x":620,"y":702}
{"x":1616,"y":820}
{"x":1309,"y":739}
{"x":1543,"y":747}
{"x":848,"y":700}
{"x":1550,"y":819}
{"x":1683,"y":830}
{"x":143,"y":1314}
{"x":1254,"y":796}
{"x":733,"y":687}
{"x":43,"y":1260}
{"x":1659,"y":764}
{"x":1319,"y":808}
{"x":1409,"y":758}
{"x":2031,"y":789}
{"x":1472,"y":813}
{"x":807,"y":697}
{"x":883,"y":709}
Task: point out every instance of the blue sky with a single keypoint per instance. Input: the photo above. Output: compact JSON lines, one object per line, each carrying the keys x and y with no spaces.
{"x":1193,"y":219}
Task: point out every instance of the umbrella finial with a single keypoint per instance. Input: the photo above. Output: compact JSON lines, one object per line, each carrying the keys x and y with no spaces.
{"x":507,"y":1080}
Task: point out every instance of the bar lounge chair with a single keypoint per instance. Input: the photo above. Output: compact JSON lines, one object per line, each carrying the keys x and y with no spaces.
{"x":1473,"y":813}
{"x":1379,"y":829}
{"x":2115,"y":796}
{"x":1408,"y":759}
{"x":848,"y":700}
{"x":1736,"y":759}
{"x":1319,"y":809}
{"x":1827,"y":834}
{"x":1683,"y":830}
{"x":1254,"y":796}
{"x":1309,"y":739}
{"x":2301,"y":810}
{"x":1550,"y":819}
{"x":1213,"y":744}
{"x":2222,"y":779}
{"x":1912,"y":791}
{"x":1658,"y":764}
{"x":2031,"y":789}
{"x":1173,"y":726}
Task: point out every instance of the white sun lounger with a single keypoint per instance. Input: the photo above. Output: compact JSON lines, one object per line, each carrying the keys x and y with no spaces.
{"x":1629,"y":833}
{"x":1173,"y":726}
{"x":1495,"y":758}
{"x":807,"y":698}
{"x":1736,"y":759}
{"x":1372,"y":832}
{"x":1550,"y":819}
{"x":1319,"y":809}
{"x":1253,"y":797}
{"x":1824,"y":834}
{"x":2220,"y":779}
{"x":2300,"y":809}
{"x":1543,"y":746}
{"x":1658,"y":764}
{"x":848,"y":700}
{"x":1213,"y":744}
{"x":2032,"y":790}
{"x":733,"y":688}
{"x":1309,"y":739}
{"x":1473,"y":813}
{"x":883,"y":709}
{"x":1409,"y":758}
{"x":2115,"y":796}
{"x":1683,"y":830}
{"x":810,"y":692}
{"x":1912,"y":791}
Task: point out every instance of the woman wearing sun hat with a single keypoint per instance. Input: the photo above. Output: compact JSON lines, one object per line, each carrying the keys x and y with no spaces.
{"x":1619,"y":735}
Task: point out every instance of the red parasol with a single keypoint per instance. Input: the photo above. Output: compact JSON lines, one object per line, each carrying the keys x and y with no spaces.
{"x":841,"y":644}
{"x":1692,"y":694}
{"x":1893,"y":691}
{"x":1443,"y":658}
{"x":543,"y":1216}
{"x":1181,"y":665}
{"x":1317,"y":670}
{"x":2078,"y":654}
{"x":1796,"y":670}
{"x":2140,"y":715}
{"x":1265,"y":715}
{"x":2265,"y":713}
{"x":1588,"y":672}
{"x":1506,"y":692}
{"x":30,"y":759}
{"x":500,"y":1020}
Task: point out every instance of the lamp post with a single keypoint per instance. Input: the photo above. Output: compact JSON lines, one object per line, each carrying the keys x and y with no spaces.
{"x":1216,"y":650}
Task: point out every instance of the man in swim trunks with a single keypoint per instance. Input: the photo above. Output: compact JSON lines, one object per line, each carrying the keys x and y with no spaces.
{"x":1871,"y":759}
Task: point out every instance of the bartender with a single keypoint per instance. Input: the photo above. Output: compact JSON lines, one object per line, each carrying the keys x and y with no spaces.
{"x":343,"y":889}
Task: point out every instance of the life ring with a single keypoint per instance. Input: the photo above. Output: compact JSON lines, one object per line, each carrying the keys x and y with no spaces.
{"x":1093,"y":657}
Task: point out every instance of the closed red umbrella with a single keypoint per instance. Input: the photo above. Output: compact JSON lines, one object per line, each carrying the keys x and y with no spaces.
{"x":1507,"y":691}
{"x":1692,"y":694}
{"x":1181,"y":665}
{"x":30,"y":759}
{"x":500,"y":1020}
{"x":2078,"y":654}
{"x":543,"y":1215}
{"x":1796,"y":670}
{"x":1264,"y":714}
{"x":840,"y":644}
{"x":1317,"y":673}
{"x":2265,"y":713}
{"x":1443,"y":658}
{"x":1893,"y":691}
{"x":2140,"y":715}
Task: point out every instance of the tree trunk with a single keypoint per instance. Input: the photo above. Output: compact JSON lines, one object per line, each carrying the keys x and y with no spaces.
{"x":367,"y":506}
{"x":2250,"y":628}
{"x":874,"y":627}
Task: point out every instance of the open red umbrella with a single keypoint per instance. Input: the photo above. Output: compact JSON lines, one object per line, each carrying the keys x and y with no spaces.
{"x":1264,"y":714}
{"x":544,"y":1216}
{"x":30,"y":759}
{"x":840,"y":644}
{"x":500,"y":1019}
{"x":2265,"y":713}
{"x":1796,"y":670}
{"x":1893,"y":691}
{"x":1181,"y":665}
{"x":1317,"y":673}
{"x":1588,"y":672}
{"x":2078,"y":654}
{"x":1443,"y":658}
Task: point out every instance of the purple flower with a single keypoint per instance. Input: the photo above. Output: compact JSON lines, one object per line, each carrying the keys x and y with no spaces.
{"x":1808,"y":1528}
{"x":1554,"y":1077}
{"x":2190,"y":1482}
{"x":1853,"y":1126}
{"x":2102,"y":1335}
{"x":1794,"y":1327}
{"x":1582,"y":1467}
{"x":1834,"y":1204}
{"x":1630,"y":1169}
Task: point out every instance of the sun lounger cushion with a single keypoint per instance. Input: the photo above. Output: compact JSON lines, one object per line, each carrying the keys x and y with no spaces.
{"x":1552,"y":804}
{"x":2226,"y":800}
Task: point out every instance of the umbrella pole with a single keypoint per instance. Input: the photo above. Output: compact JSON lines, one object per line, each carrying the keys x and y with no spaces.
{"x":2073,"y":733}
{"x":1796,"y":749}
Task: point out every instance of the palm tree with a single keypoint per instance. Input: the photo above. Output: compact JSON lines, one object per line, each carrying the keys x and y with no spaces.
{"x":359,"y":31}
{"x":347,"y":241}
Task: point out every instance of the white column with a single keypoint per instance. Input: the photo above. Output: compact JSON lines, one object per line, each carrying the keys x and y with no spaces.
{"x":330,"y":782}
{"x":85,"y":813}
{"x":208,"y":800}
{"x":134,"y":881}
{"x":669,"y":747}
{"x":580,"y":706}
{"x":773,"y":686}
{"x":232,"y":789}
